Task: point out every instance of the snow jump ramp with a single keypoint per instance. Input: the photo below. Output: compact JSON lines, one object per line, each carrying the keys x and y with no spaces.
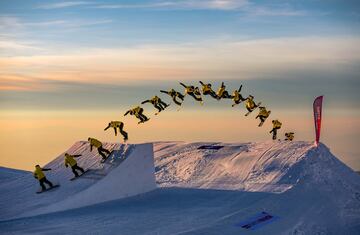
{"x":129,"y":171}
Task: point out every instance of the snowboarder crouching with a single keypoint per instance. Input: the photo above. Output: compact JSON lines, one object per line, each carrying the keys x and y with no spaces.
{"x":138,"y":113}
{"x":289,"y":136}
{"x":157,"y":103}
{"x":69,"y":160}
{"x":39,"y":175}
{"x":97,"y":144}
{"x":174,"y":94}
{"x":263,"y":115}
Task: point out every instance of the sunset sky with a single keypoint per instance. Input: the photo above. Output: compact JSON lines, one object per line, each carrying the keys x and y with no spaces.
{"x":69,"y":67}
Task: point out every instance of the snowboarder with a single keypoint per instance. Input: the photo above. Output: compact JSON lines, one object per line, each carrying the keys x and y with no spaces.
{"x":263,"y":115}
{"x":222,"y":93}
{"x":39,"y":175}
{"x":276,"y":126}
{"x":250,"y":104}
{"x":157,"y":103}
{"x":70,"y":160}
{"x":193,"y":92}
{"x":174,"y":94}
{"x":97,"y":144}
{"x":116,"y":125}
{"x":289,"y":136}
{"x":138,"y":112}
{"x":207,"y":90}
{"x":237,"y":97}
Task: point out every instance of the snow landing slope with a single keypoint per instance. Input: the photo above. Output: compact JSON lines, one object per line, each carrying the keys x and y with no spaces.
{"x":209,"y":191}
{"x":131,"y":173}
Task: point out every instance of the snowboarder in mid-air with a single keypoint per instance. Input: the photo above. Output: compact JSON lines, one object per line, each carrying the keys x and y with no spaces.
{"x":237,"y":97}
{"x":157,"y":103}
{"x":193,"y":92}
{"x":118,"y":125}
{"x":263,"y":115}
{"x":70,"y":160}
{"x":250,"y":104}
{"x":276,"y":126}
{"x":207,"y":90}
{"x":138,"y":113}
{"x":222,"y":93}
{"x":289,"y":136}
{"x":97,"y":144}
{"x":174,"y":94}
{"x":39,"y":175}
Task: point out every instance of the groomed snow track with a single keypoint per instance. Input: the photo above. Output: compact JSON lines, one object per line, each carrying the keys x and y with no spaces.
{"x":130,"y":173}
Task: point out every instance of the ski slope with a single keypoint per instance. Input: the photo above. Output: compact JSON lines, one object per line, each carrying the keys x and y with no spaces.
{"x":131,"y":173}
{"x":208,"y":191}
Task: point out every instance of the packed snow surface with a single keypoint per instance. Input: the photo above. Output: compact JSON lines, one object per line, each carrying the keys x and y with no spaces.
{"x":200,"y":191}
{"x":130,"y":173}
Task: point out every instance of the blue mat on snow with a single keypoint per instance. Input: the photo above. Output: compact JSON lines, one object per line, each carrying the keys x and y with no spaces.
{"x":257,"y":221}
{"x":215,"y":147}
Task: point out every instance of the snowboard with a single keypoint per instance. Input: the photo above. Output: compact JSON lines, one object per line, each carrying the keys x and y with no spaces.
{"x":76,"y":177}
{"x":143,"y":121}
{"x":48,"y":189}
{"x":258,"y":104}
{"x":261,"y":123}
{"x":104,"y":160}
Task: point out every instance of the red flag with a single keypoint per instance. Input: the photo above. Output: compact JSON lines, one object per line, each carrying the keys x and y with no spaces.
{"x":317,"y":106}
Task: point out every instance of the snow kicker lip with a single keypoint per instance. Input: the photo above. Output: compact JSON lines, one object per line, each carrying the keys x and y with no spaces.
{"x":257,"y":221}
{"x":213,"y":147}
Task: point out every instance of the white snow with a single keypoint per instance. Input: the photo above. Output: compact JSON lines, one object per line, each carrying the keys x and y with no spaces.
{"x":199,"y":192}
{"x":108,"y":181}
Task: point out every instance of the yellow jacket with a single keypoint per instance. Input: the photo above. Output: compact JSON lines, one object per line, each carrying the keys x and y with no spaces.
{"x":38,"y":173}
{"x":263,"y":112}
{"x":69,"y":160}
{"x":220,"y":91}
{"x":136,"y":110}
{"x":189,"y":89}
{"x":95,"y":143}
{"x":115,"y":123}
{"x":236,"y":95}
{"x":250,"y":103}
{"x":155,"y":100}
{"x":276,"y":124}
{"x":206,"y":88}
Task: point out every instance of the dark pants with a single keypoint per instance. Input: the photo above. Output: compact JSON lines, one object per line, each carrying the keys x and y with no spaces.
{"x":175,"y":101}
{"x":102,"y":152}
{"x":226,"y":95}
{"x":274,"y":131}
{"x":124,"y":133}
{"x":195,"y":97}
{"x":76,"y":167}
{"x":211,"y":93}
{"x":162,"y":104}
{"x":44,"y":180}
{"x":262,"y":118}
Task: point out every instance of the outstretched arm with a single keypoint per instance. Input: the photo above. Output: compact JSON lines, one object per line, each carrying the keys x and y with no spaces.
{"x":90,"y":147}
{"x":46,"y":169}
{"x":162,"y":91}
{"x":107,"y":127}
{"x":127,"y":112}
{"x":145,"y":101}
{"x":77,"y":155}
{"x":182,"y":84}
{"x":201,"y":83}
{"x":240,"y":88}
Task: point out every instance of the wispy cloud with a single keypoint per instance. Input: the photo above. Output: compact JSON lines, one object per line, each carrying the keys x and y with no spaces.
{"x":263,"y":11}
{"x":12,"y":22}
{"x":227,"y":59}
{"x":186,"y":4}
{"x":63,"y":5}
